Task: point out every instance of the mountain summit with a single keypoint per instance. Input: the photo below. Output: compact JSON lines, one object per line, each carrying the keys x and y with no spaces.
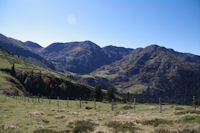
{"x":81,"y":57}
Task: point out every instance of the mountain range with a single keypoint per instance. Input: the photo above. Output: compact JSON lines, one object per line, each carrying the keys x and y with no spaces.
{"x":149,"y":72}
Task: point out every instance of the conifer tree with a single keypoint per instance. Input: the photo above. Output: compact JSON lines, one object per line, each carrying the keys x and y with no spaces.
{"x":12,"y":72}
{"x":110,"y":93}
{"x":97,"y":93}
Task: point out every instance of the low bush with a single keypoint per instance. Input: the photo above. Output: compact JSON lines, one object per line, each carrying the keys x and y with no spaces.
{"x":82,"y":126}
{"x":188,"y":112}
{"x":178,"y":131}
{"x":122,"y":127}
{"x":127,"y":107}
{"x":191,"y":118}
{"x":88,"y":108}
{"x":156,"y":122}
{"x":179,"y":108}
{"x":50,"y":131}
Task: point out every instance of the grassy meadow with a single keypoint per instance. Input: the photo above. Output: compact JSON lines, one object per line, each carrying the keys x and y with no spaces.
{"x":28,"y":115}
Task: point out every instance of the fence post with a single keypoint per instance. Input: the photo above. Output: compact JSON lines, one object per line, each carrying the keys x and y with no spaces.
{"x":49,"y":100}
{"x":38,"y":99}
{"x":58,"y":102}
{"x":67,"y":101}
{"x":94,"y":103}
{"x":112,"y":105}
{"x":80,"y":102}
{"x":194,"y":103}
{"x":42,"y":100}
{"x":134,"y":104}
{"x":160,"y":103}
{"x":32,"y":99}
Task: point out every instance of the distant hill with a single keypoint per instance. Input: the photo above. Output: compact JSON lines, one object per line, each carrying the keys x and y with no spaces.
{"x":19,"y":48}
{"x":81,"y":57}
{"x":155,"y":71}
{"x":32,"y":46}
{"x":30,"y":79}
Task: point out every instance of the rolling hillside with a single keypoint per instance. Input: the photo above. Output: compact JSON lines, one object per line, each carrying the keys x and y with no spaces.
{"x":30,"y":79}
{"x":21,"y":49}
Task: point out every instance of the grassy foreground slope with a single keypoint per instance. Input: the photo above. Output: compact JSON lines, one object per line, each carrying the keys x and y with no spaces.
{"x":34,"y":80}
{"x":29,"y":115}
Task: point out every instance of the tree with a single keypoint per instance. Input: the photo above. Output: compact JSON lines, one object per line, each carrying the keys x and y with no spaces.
{"x":110,"y":93}
{"x":12,"y":72}
{"x":97,"y":93}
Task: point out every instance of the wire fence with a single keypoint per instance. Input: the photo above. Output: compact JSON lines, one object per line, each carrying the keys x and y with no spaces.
{"x":88,"y":103}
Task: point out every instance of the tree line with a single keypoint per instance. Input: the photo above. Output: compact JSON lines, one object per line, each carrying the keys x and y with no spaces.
{"x":38,"y":84}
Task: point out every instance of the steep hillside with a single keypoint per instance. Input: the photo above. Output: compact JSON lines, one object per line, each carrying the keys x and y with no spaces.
{"x":155,"y":71}
{"x":30,"y":79}
{"x":32,"y":46}
{"x":19,"y":48}
{"x":116,"y":53}
{"x":81,"y":57}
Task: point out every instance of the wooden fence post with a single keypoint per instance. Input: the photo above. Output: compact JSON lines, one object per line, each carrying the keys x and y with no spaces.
{"x":41,"y":100}
{"x":94,"y":103}
{"x":67,"y":101}
{"x":58,"y":102}
{"x":194,"y":103}
{"x":38,"y":99}
{"x":160,"y":103}
{"x":80,"y":102}
{"x":49,"y":100}
{"x":112,"y":104}
{"x":134,"y":104}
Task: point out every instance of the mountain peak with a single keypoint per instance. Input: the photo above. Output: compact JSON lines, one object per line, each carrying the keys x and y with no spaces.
{"x":32,"y":44}
{"x":88,"y":41}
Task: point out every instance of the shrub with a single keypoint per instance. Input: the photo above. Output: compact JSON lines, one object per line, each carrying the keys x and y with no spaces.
{"x":82,"y":126}
{"x":179,"y":108}
{"x":50,"y":131}
{"x":156,"y":122}
{"x":122,"y":127}
{"x":192,"y":111}
{"x":44,"y":131}
{"x":188,"y":111}
{"x":88,"y":108}
{"x":191,"y":118}
{"x":179,"y":131}
{"x":127,"y":107}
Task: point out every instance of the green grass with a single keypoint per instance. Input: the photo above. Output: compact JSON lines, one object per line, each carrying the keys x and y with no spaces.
{"x":191,"y":118}
{"x":29,"y":115}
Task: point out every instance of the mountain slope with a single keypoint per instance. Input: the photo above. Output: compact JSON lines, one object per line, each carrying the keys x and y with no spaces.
{"x":32,"y":46}
{"x":155,"y":71}
{"x":30,"y":79}
{"x":81,"y":57}
{"x":19,"y":48}
{"x":115,"y":53}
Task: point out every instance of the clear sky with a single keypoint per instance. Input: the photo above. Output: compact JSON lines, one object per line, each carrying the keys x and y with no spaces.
{"x":128,"y":23}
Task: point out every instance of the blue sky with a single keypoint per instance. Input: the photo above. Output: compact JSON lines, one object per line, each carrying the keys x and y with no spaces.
{"x":128,"y":23}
